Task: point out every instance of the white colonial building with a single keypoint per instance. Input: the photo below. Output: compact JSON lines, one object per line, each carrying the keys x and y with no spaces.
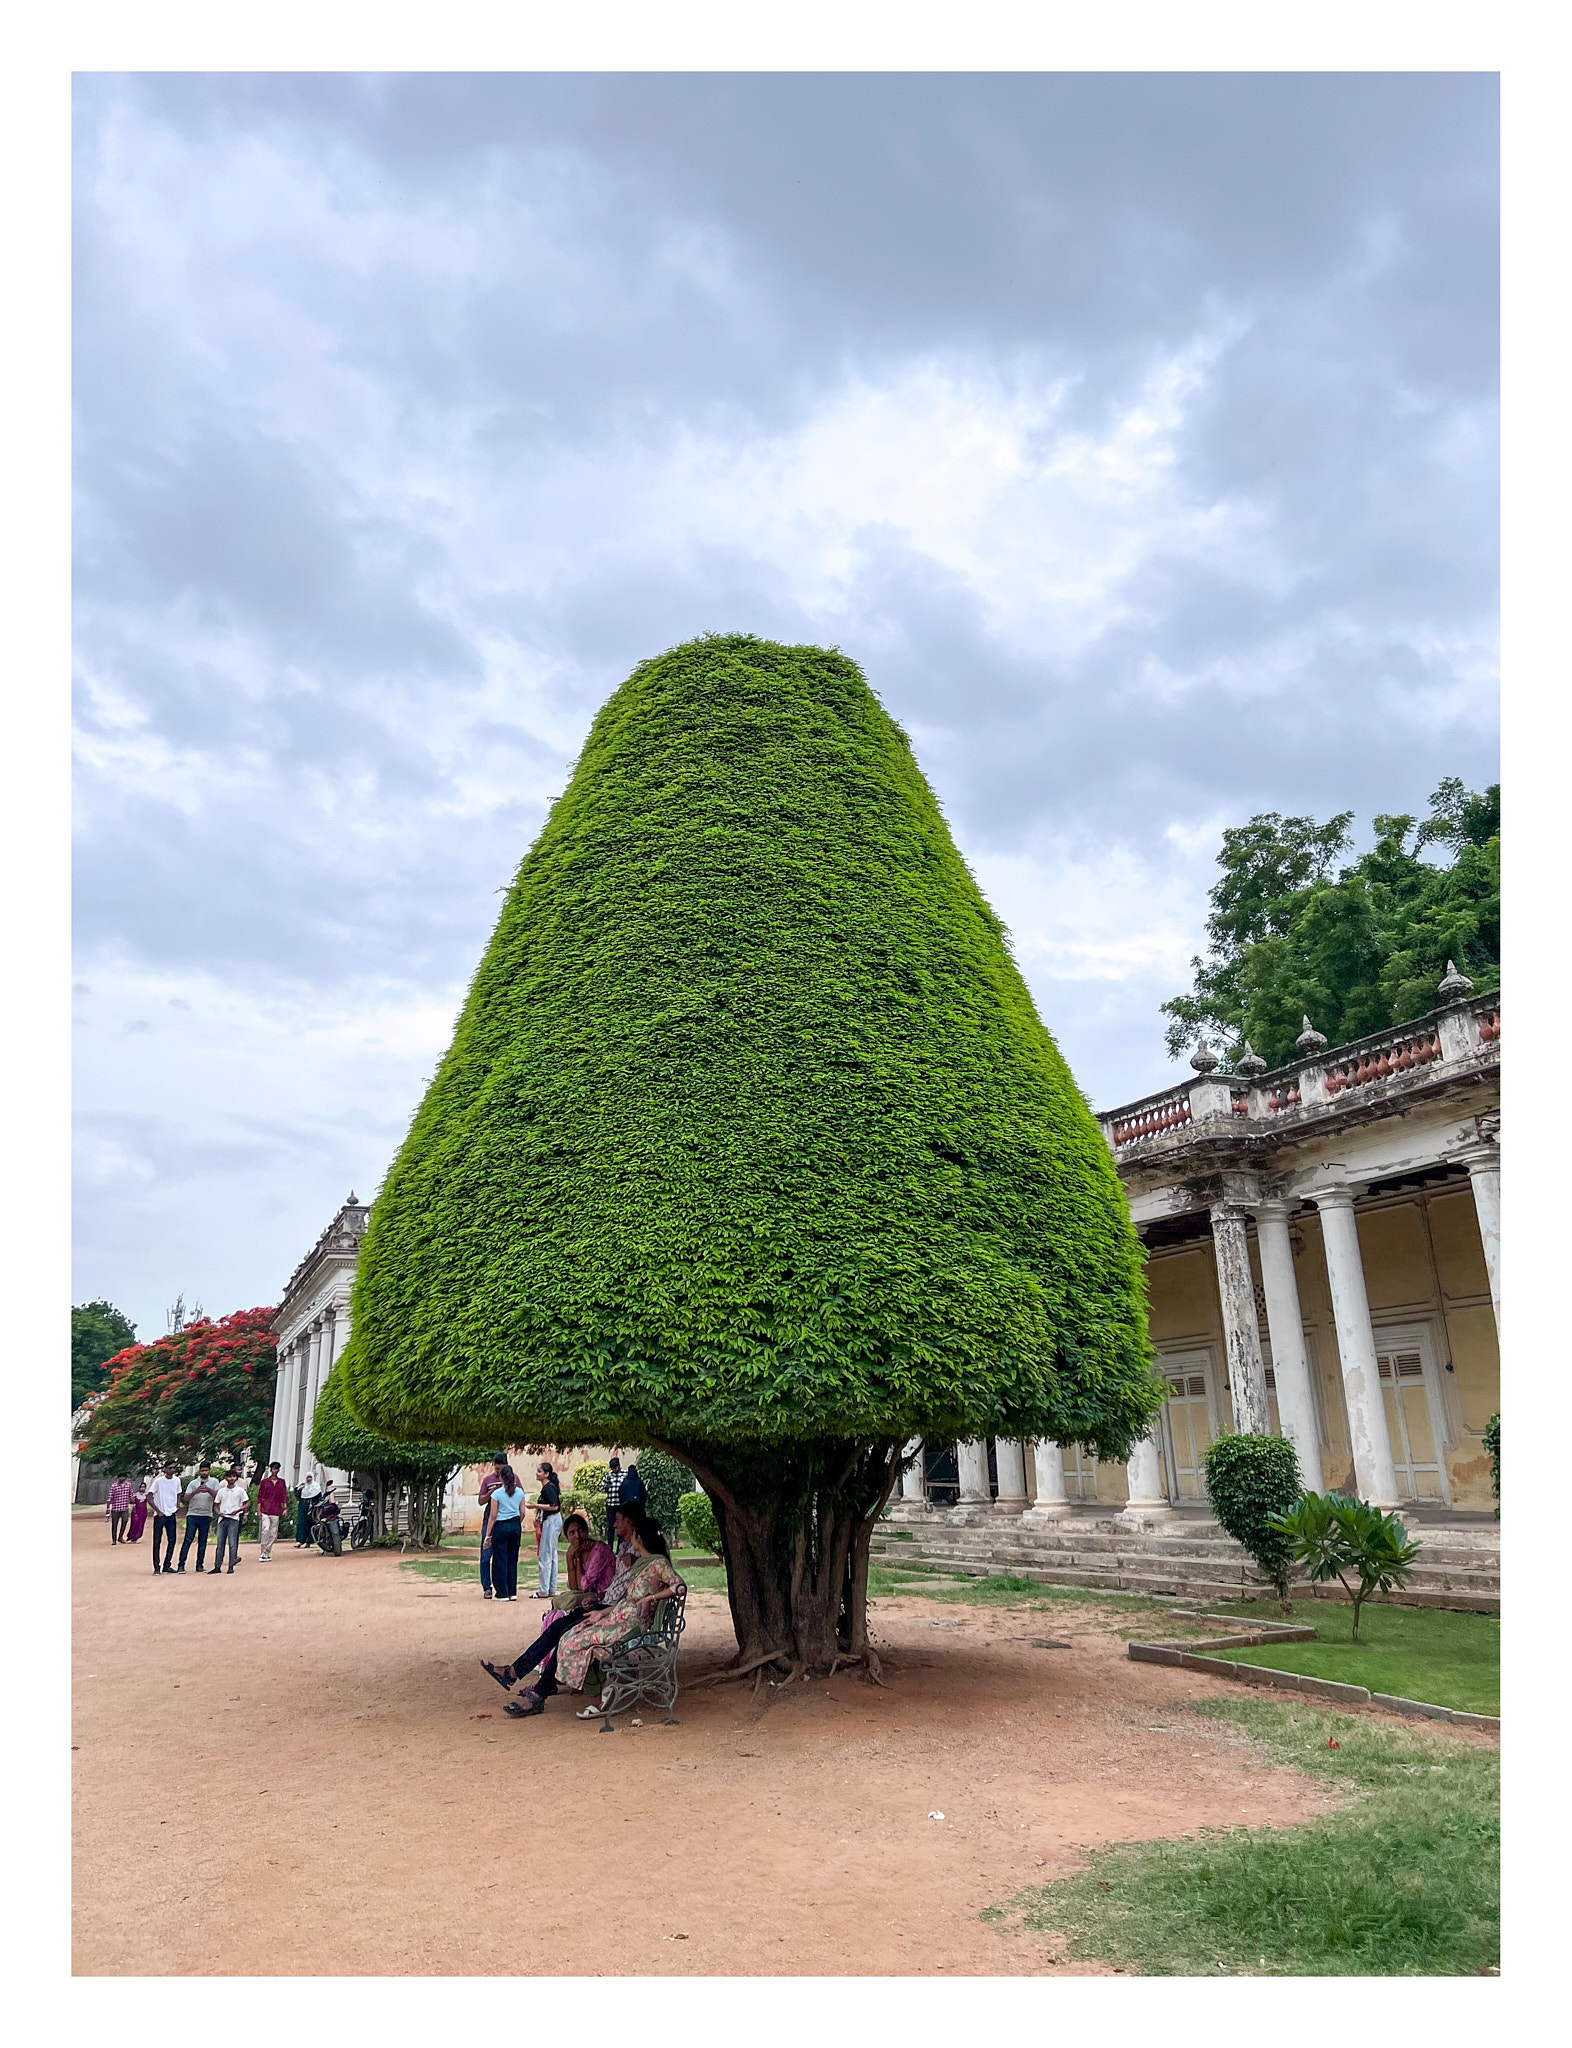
{"x":310,"y":1329}
{"x":1324,"y":1262}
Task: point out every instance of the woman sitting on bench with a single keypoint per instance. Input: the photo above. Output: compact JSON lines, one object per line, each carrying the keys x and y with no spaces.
{"x":593,"y":1579}
{"x":629,"y":1609}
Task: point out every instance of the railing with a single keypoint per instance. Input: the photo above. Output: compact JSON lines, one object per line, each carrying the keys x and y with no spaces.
{"x":1397,"y":1055}
{"x":1146,"y":1119}
{"x":1213,"y":1104}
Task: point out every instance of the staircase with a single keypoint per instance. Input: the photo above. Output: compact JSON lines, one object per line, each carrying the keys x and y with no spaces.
{"x":1459,"y":1565}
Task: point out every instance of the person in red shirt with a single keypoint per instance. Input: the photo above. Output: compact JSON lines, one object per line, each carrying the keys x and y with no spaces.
{"x":272,"y":1499}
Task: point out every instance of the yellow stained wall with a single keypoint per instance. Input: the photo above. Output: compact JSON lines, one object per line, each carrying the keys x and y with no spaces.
{"x":1422,"y":1257}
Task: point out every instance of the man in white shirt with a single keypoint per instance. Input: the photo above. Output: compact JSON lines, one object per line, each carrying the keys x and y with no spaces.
{"x":164,"y":1494}
{"x":232,"y":1502}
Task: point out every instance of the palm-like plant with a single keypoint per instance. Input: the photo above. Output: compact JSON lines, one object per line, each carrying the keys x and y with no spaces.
{"x":1365,"y":1550}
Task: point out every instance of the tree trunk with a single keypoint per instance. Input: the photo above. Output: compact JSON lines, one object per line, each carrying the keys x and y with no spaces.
{"x":796,"y":1522}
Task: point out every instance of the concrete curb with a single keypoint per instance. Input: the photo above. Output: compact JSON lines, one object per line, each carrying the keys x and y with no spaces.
{"x":1293,"y":1681}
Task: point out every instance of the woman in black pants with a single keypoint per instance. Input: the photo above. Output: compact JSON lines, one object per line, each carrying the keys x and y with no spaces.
{"x":592,"y":1574}
{"x":507,"y":1509}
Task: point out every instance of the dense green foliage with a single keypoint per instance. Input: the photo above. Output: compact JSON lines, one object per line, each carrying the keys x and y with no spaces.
{"x":98,"y":1332}
{"x":1355,"y":950}
{"x":698,"y":1519}
{"x":589,"y":1475}
{"x":1365,"y":1550}
{"x":1413,"y":1653}
{"x":665,"y":1483}
{"x":1493,"y":1452}
{"x":1404,"y":1882}
{"x":1251,"y":1481}
{"x":748,"y":1132}
{"x":337,"y":1439}
{"x":206,"y":1391}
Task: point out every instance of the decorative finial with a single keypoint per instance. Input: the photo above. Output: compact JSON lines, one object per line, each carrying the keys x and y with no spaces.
{"x":1453,"y":986}
{"x":1203,"y":1059}
{"x":1249,"y":1062}
{"x":354,"y":1200}
{"x":1309,"y":1040}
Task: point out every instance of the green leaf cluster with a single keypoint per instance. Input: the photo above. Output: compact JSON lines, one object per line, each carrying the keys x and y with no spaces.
{"x":1252,"y":1482}
{"x":1355,"y":948}
{"x":1366,"y":1550}
{"x":1493,"y":1452}
{"x":748,"y":1132}
{"x":665,"y":1484}
{"x":698,"y":1519}
{"x":339,"y":1440}
{"x":98,"y":1332}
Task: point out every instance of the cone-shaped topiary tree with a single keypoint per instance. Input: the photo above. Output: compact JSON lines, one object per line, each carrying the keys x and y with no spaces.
{"x":750,"y":1145}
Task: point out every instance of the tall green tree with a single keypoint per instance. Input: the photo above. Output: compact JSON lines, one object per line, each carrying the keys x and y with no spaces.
{"x":750,"y":1146}
{"x":98,"y":1331}
{"x":1355,"y":947}
{"x":406,"y":1480}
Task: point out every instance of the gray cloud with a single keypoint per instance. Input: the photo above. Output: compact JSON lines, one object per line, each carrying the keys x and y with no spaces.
{"x":1137,"y":433}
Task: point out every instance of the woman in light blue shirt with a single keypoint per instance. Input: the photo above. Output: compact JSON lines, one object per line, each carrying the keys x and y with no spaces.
{"x":507,"y":1527}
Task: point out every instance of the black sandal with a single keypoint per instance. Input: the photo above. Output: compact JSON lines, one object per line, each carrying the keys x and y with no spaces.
{"x":491,"y":1671}
{"x":527,"y":1708}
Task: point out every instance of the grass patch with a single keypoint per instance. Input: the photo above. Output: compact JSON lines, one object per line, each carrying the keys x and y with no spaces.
{"x":444,"y":1568}
{"x":1418,"y":1653}
{"x":1402,"y":1882}
{"x":1005,"y":1589}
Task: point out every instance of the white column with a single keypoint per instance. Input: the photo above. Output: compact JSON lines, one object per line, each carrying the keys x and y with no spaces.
{"x":1145,"y":1475}
{"x":911,"y":1477}
{"x":321,"y":1365}
{"x":1372,"y":1444}
{"x":1011,"y":1458}
{"x":310,"y":1347}
{"x":1053,"y":1499}
{"x":277,"y":1443}
{"x":1285,"y":1321}
{"x":971,"y":1458}
{"x":1241,"y":1332}
{"x":286,"y":1444}
{"x":1485,"y":1178}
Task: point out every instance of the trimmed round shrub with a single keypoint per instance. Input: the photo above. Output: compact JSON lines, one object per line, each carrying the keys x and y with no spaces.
{"x":1251,"y":1481}
{"x":589,"y":1474}
{"x":698,"y":1520}
{"x":665,"y":1484}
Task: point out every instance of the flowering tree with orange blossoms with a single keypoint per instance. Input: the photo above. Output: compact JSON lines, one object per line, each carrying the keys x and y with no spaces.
{"x":204,"y":1392}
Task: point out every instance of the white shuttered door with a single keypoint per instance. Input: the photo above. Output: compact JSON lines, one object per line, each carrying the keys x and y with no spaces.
{"x":1411,"y":1395}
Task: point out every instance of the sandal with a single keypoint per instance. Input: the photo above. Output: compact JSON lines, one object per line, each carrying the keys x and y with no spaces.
{"x":527,"y":1708}
{"x":507,"y":1683}
{"x":589,"y":1713}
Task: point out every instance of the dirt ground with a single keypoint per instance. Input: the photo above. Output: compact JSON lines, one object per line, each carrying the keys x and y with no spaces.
{"x":337,"y":1792}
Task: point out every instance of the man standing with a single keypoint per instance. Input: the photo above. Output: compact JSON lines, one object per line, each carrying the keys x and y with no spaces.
{"x":548,"y":1520}
{"x":118,"y":1508}
{"x":305,"y":1509}
{"x":611,"y":1486}
{"x":272,"y":1499}
{"x":200,"y":1496}
{"x":488,"y":1487}
{"x":165,"y":1496}
{"x":233,"y":1500}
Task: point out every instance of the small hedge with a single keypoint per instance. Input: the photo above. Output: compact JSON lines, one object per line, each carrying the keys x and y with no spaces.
{"x":666,"y":1485}
{"x":1251,"y":1481}
{"x":589,"y":1476}
{"x":698,"y":1520}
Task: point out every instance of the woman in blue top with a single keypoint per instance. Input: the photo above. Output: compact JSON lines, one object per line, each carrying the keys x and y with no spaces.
{"x":507,"y":1508}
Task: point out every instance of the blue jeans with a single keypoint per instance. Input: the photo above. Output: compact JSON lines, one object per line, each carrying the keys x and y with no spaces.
{"x":505,"y":1559}
{"x":228,"y":1534}
{"x":485,"y":1564}
{"x":550,"y":1530}
{"x":196,"y":1532}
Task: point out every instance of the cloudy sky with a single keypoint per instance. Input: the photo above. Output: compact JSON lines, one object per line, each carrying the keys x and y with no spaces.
{"x":1137,"y":434}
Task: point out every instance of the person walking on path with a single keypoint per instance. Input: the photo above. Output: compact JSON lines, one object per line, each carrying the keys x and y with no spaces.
{"x":548,"y":1520}
{"x":305,"y":1509}
{"x":233,"y":1500}
{"x":117,"y":1509}
{"x":138,"y":1512}
{"x":200,"y":1496}
{"x":272,"y":1499}
{"x":165,"y":1495}
{"x":507,"y":1529}
{"x":488,"y":1487}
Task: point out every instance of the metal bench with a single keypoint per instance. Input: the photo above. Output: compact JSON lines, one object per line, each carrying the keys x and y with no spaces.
{"x":642,"y":1670}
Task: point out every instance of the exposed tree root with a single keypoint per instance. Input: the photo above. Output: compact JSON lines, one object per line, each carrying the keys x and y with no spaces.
{"x":730,"y":1671}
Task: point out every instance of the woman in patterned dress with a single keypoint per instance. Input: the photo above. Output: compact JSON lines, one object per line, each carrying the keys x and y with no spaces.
{"x":652,"y":1577}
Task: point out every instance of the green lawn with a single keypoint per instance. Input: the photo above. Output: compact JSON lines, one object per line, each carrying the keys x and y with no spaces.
{"x":1418,"y":1653}
{"x":1004,"y":1589}
{"x":1401,"y":1882}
